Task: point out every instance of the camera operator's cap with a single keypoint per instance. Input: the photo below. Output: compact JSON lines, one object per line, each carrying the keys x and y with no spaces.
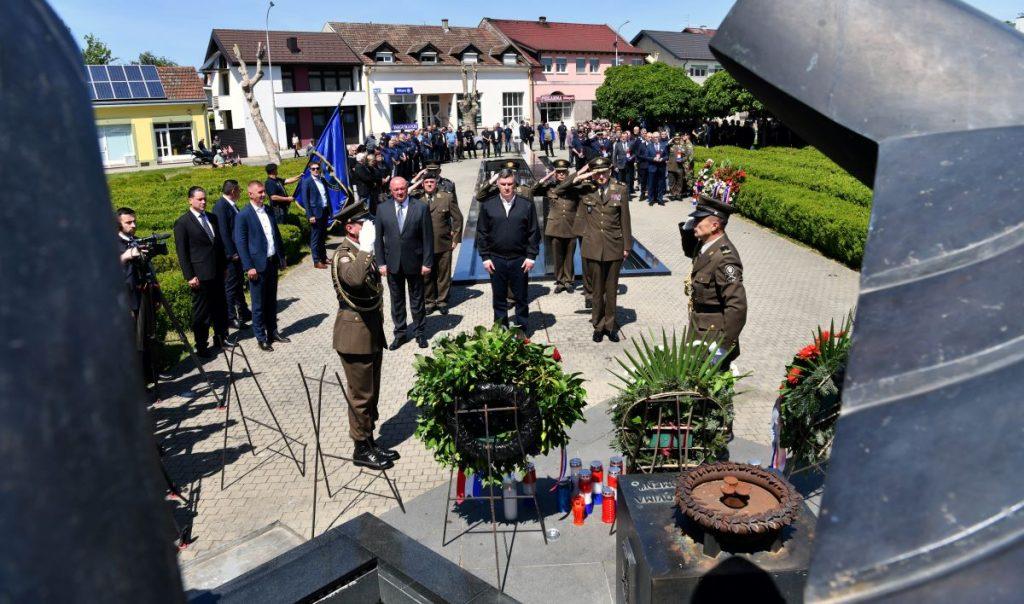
{"x":707,"y":206}
{"x":599,"y":164}
{"x":353,"y":211}
{"x":561,"y":165}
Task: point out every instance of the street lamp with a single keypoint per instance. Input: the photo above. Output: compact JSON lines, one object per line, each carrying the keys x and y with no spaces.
{"x":624,"y":23}
{"x":270,"y":66}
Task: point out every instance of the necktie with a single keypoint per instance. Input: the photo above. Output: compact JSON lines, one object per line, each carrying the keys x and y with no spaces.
{"x":401,"y":217}
{"x":206,"y":225}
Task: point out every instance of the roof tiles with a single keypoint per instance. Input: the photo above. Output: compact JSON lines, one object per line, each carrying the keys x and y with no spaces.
{"x":406,"y":39}
{"x":310,"y":47}
{"x":181,"y":84}
{"x":566,"y":37}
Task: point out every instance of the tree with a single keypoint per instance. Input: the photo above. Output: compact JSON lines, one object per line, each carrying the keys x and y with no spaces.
{"x":248,"y":83}
{"x":96,"y":52}
{"x":149,"y":58}
{"x":656,"y":93}
{"x":721,"y":96}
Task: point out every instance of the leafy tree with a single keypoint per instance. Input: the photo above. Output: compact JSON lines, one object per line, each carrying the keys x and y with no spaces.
{"x":721,"y":96}
{"x":96,"y":52}
{"x":149,"y":58}
{"x":656,"y":93}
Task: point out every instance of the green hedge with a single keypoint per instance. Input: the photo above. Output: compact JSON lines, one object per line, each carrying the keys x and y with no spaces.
{"x":159,"y":197}
{"x":802,"y":194}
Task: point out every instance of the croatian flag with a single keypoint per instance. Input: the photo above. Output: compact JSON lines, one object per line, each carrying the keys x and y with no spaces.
{"x":331,"y":145}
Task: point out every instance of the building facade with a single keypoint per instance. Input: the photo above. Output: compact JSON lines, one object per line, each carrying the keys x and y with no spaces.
{"x":413,"y":74}
{"x":688,"y":49}
{"x":147,"y":115}
{"x":570,"y":61}
{"x":310,"y":73}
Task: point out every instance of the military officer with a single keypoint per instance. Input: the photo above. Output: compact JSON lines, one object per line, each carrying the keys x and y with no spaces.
{"x":558,"y":225}
{"x":443,"y":184}
{"x":359,"y":332}
{"x":718,"y":301}
{"x":602,"y":218}
{"x":677,"y":167}
{"x":447,"y":221}
{"x":490,"y":189}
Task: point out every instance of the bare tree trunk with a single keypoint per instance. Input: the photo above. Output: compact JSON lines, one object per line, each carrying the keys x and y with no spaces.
{"x":273,"y":150}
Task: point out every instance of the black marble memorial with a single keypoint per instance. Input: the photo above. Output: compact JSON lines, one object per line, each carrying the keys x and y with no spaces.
{"x":659,"y":554}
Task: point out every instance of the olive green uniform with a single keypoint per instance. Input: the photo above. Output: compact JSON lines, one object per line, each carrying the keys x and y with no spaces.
{"x":447,"y":221}
{"x":602,"y":221}
{"x":677,"y":168}
{"x":558,"y":225}
{"x":490,"y":190}
{"x":359,"y":335}
{"x":718,"y":301}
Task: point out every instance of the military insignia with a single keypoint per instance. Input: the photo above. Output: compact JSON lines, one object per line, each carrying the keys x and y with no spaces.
{"x":616,"y":196}
{"x":344,"y":259}
{"x":731,"y":274}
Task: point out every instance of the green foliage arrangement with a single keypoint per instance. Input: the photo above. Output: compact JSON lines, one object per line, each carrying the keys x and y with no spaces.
{"x":462,"y":362}
{"x":675,"y":366}
{"x":159,"y":197}
{"x":809,"y":398}
{"x":801,"y":194}
{"x":657,"y":93}
{"x":721,"y":96}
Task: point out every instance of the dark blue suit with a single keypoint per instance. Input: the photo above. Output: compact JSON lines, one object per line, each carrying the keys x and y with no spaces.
{"x":656,"y":169}
{"x":251,"y":242}
{"x":319,"y":207}
{"x":405,"y":252}
{"x":238,"y":310}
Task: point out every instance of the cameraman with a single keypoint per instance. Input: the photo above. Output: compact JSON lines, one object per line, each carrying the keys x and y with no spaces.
{"x":141,"y":295}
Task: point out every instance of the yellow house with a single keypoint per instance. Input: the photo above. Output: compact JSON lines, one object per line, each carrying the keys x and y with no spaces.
{"x":147,"y":115}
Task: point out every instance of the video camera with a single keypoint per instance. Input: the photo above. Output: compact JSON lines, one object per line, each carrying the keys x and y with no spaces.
{"x":152,"y":245}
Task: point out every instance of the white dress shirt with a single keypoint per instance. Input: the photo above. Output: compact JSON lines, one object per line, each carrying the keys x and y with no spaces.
{"x":261,"y":213}
{"x":508,"y":204}
{"x":705,"y":247}
{"x":204,"y":222}
{"x":320,"y":187}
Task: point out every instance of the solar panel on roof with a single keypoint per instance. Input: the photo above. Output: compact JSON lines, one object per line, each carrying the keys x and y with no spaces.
{"x":121,"y":90}
{"x":104,"y":91}
{"x":124,"y":82}
{"x":98,"y":73}
{"x":116,"y":73}
{"x":138,"y":89}
{"x":134,"y":73}
{"x":156,"y":89}
{"x":149,"y":72}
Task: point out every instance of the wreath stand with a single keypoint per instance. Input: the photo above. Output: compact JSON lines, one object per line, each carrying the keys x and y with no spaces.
{"x":320,"y":464}
{"x":678,"y":433}
{"x":233,"y":386}
{"x":486,"y":410}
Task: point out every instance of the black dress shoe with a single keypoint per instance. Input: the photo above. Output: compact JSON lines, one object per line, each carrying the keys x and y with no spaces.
{"x":368,"y":457}
{"x":235,"y":324}
{"x":388,"y":454}
{"x":588,"y":304}
{"x":277,"y":337}
{"x":397,"y":343}
{"x":218,"y":341}
{"x":559,"y":289}
{"x":598,"y":336}
{"x":266,"y":347}
{"x":421,"y":342}
{"x":205,"y":352}
{"x":613,"y":336}
{"x":442,"y":309}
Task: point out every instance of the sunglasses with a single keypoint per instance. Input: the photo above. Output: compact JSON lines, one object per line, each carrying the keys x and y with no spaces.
{"x":314,"y":169}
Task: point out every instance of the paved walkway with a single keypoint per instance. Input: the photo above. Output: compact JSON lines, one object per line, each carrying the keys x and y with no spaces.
{"x":791,"y":290}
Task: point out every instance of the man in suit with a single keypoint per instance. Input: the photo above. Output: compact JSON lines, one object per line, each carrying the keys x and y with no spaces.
{"x":259,"y":245}
{"x":563,"y":131}
{"x":202,"y":260}
{"x":405,"y":255}
{"x":312,"y":191}
{"x":657,"y":156}
{"x":226,"y":210}
{"x":624,"y":161}
{"x":508,"y":239}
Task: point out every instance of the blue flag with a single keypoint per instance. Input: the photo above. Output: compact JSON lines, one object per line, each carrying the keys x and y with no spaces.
{"x":331,"y":145}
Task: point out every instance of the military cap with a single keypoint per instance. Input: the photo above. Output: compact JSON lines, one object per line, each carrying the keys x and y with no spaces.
{"x":708,"y":206}
{"x":433,"y":167}
{"x":599,"y":163}
{"x":353,"y":211}
{"x":561,"y":165}
{"x":511,"y":165}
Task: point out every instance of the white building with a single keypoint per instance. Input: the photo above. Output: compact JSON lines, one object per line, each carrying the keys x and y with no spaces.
{"x":688,"y":49}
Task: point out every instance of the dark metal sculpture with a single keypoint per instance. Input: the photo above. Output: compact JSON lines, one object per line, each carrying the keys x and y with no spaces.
{"x":82,"y":516}
{"x":921,"y":99}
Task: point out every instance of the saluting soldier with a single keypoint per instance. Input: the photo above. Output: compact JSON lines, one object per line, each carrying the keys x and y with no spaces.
{"x":602,"y":218}
{"x":447,"y":222}
{"x":443,"y":184}
{"x":359,"y":332}
{"x":718,"y":301}
{"x":558,"y":225}
{"x":490,"y":189}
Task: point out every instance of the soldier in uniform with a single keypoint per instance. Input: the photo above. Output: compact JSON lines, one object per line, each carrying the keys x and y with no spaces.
{"x":559,"y":224}
{"x":677,"y":168}
{"x":359,"y":332}
{"x":443,"y":184}
{"x":602,"y":218}
{"x":447,"y":221}
{"x":718,"y":301}
{"x":490,"y":189}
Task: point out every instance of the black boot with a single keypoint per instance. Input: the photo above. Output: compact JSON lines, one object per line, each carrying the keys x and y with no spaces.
{"x":388,"y":454}
{"x":368,"y":457}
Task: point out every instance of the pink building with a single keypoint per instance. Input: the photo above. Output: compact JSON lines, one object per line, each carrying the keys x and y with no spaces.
{"x":572,"y":59}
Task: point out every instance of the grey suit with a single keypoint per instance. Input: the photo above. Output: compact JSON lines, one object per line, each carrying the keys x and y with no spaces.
{"x":404,"y":252}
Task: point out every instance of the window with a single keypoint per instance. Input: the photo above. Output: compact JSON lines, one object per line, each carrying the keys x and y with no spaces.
{"x":509,"y":58}
{"x":561,"y":65}
{"x":638,"y":62}
{"x":384,"y":56}
{"x":403,"y":110}
{"x":547,"y":63}
{"x":431,"y":110}
{"x":511,"y":107}
{"x":595,"y":65}
{"x":330,"y":79}
{"x":581,"y":65}
{"x":717,"y":68}
{"x":470,"y":57}
{"x":173,"y":139}
{"x":556,"y":112}
{"x":116,"y":144}
{"x":698,"y":71}
{"x":226,"y":116}
{"x":287,"y":79}
{"x":225,"y":83}
{"x":320,"y":116}
{"x":428,"y":58}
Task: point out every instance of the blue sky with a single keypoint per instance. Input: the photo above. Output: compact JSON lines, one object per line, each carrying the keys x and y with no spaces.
{"x":180,"y":29}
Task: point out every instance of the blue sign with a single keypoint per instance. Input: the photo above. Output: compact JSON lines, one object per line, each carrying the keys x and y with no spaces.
{"x":403,"y":90}
{"x":409,"y":126}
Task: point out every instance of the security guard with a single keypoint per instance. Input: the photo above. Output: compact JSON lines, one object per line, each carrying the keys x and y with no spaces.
{"x":602,"y":218}
{"x":359,"y":332}
{"x":447,"y":222}
{"x":718,"y":301}
{"x":558,"y":225}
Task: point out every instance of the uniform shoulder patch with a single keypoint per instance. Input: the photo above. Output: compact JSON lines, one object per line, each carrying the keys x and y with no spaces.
{"x":344,"y":259}
{"x":732,"y":272}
